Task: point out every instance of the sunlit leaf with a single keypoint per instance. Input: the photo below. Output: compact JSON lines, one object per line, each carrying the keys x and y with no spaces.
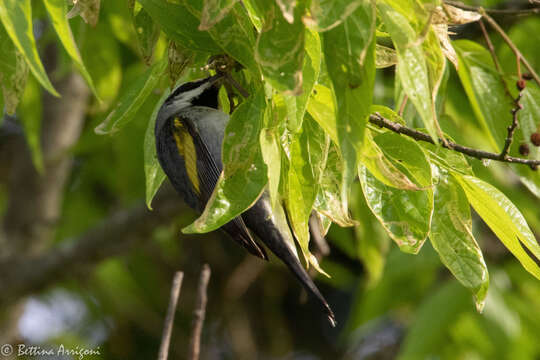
{"x":244,"y":172}
{"x":180,"y":25}
{"x":147,"y":32}
{"x":310,"y":73}
{"x":132,"y":100}
{"x":13,"y":73}
{"x":329,"y":200}
{"x":405,"y":215}
{"x":280,"y":49}
{"x":327,"y":14}
{"x":321,"y":107}
{"x":214,"y":11}
{"x":419,"y":75}
{"x":504,"y":219}
{"x":57,"y":10}
{"x":350,"y":58}
{"x":451,"y":235}
{"x":484,"y":90}
{"x":16,"y":15}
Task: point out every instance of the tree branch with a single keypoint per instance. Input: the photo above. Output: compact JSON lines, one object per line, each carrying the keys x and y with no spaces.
{"x":199,"y":314}
{"x":529,"y":11}
{"x":169,"y":319}
{"x":380,"y":121}
{"x":117,"y":234}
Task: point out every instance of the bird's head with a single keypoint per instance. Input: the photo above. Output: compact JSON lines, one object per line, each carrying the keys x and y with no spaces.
{"x":202,"y":92}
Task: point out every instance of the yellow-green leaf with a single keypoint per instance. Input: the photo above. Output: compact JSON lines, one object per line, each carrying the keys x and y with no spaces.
{"x":504,"y":219}
{"x":16,"y":15}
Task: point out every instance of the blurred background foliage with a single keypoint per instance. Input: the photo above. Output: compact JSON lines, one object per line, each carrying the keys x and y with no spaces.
{"x":388,"y":303}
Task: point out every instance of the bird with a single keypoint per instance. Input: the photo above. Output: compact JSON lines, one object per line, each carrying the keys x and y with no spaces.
{"x":189,"y":133}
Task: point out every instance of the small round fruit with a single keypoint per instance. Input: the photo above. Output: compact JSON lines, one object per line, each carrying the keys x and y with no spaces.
{"x":520,"y":84}
{"x":524,"y":149}
{"x":535,"y":138}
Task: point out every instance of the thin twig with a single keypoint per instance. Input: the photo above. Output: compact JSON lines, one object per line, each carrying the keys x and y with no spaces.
{"x":198,"y":314}
{"x":462,"y":6}
{"x":510,"y":44}
{"x":512,"y":127}
{"x":494,"y":57}
{"x":402,"y":106}
{"x":380,"y":121}
{"x":169,"y":319}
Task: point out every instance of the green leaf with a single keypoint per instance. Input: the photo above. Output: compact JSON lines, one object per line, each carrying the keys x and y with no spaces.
{"x":233,"y":34}
{"x":504,"y":219}
{"x":321,"y":107}
{"x":529,"y":122}
{"x":327,"y":14}
{"x":405,"y":215}
{"x":407,"y":155}
{"x":374,"y":159}
{"x":214,"y":11}
{"x":147,"y":32}
{"x":16,"y":15}
{"x":153,"y":173}
{"x":101,"y":54}
{"x":30,"y":112}
{"x":306,"y":161}
{"x":280,"y":49}
{"x":254,"y":13}
{"x":447,"y":159}
{"x":271,"y":153}
{"x":132,"y":100}
{"x":484,"y":90}
{"x":244,"y":173}
{"x":350,"y":58}
{"x":57,"y":10}
{"x":310,"y":73}
{"x":13,"y":73}
{"x":418,"y":74}
{"x":451,"y":236}
{"x":180,"y":25}
{"x":329,"y":200}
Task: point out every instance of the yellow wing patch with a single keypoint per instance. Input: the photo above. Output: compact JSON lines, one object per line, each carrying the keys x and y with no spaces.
{"x":186,"y":148}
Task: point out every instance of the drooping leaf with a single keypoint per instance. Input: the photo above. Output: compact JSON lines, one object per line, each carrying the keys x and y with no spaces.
{"x":350,"y":58}
{"x":418,"y":74}
{"x":147,"y":32}
{"x":233,"y":34}
{"x":484,"y":90}
{"x":16,"y":15}
{"x":244,"y":173}
{"x":504,"y":219}
{"x":310,"y":73}
{"x":132,"y":100}
{"x":327,"y":14}
{"x":374,"y":159}
{"x":308,"y":152}
{"x":153,"y":173}
{"x":280,"y":49}
{"x":13,"y":73}
{"x":30,"y":112}
{"x":57,"y":10}
{"x":321,"y":107}
{"x":180,"y":25}
{"x":101,"y":55}
{"x":405,"y":215}
{"x":406,"y":155}
{"x":329,"y":200}
{"x":214,"y":11}
{"x":451,"y":236}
